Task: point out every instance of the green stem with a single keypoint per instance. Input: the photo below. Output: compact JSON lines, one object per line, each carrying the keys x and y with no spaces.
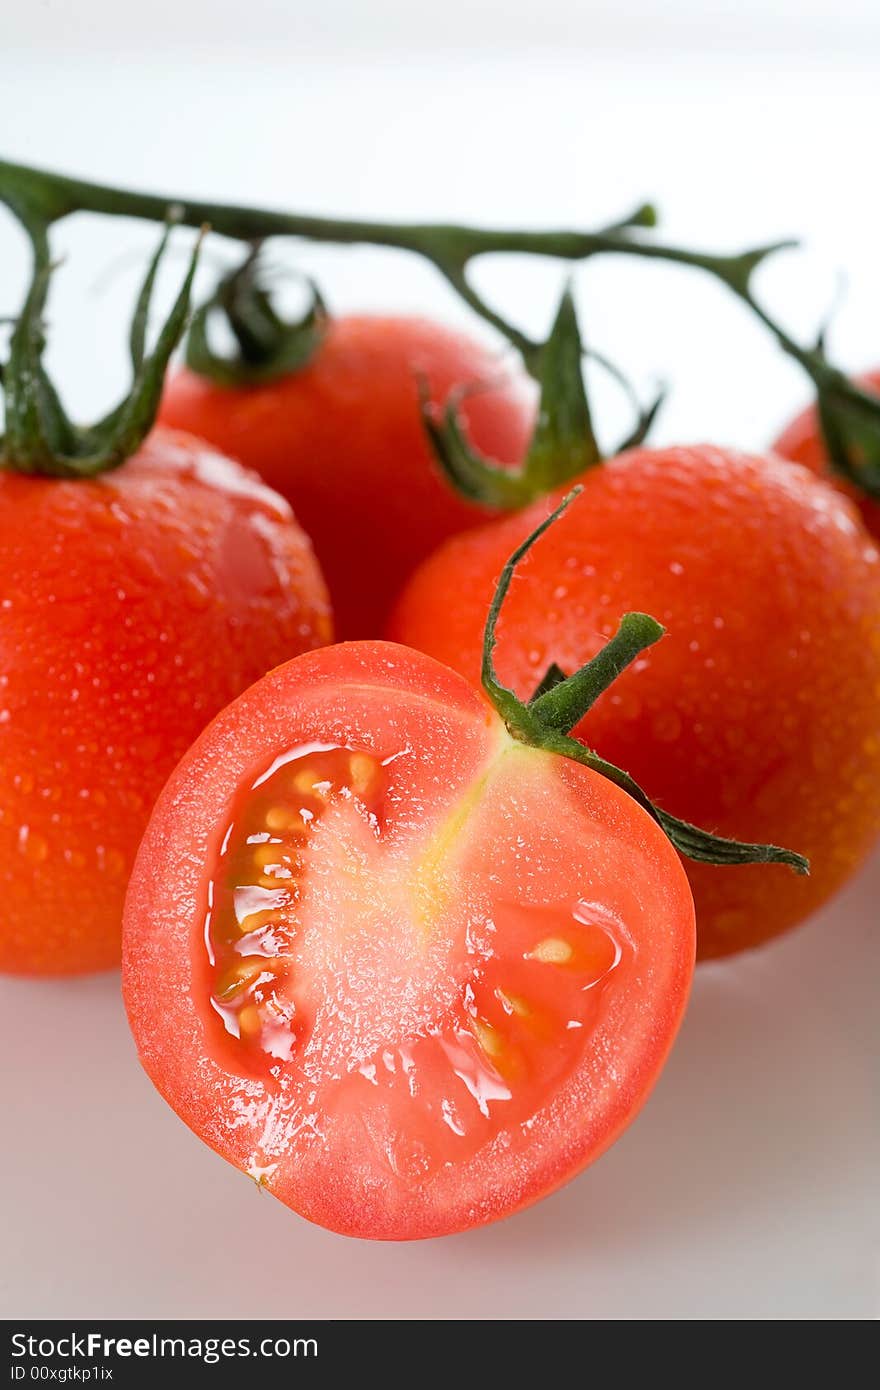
{"x":504,"y":700}
{"x":559,"y":703}
{"x":57,"y":196}
{"x":447,"y":246}
{"x":569,"y":700}
{"x":528,"y":348}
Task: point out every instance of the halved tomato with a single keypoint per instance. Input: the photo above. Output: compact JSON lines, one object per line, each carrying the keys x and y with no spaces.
{"x":404,"y":970}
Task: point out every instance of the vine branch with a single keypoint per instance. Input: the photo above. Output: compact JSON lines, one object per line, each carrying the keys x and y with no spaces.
{"x":849,"y":414}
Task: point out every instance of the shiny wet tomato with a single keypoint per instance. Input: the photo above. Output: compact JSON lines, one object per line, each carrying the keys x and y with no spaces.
{"x":343,"y":440}
{"x":759,"y":714}
{"x":802,"y":441}
{"x":132,"y":608}
{"x":406,"y":971}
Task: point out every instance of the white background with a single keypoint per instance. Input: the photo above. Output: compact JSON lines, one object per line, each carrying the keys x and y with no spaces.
{"x":747,"y":1187}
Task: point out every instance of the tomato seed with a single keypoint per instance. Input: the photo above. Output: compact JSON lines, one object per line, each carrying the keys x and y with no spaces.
{"x":489,"y":1038}
{"x":284,"y":818}
{"x":362,"y":770}
{"x":250,"y":1021}
{"x":267,"y":855}
{"x":240,"y":976}
{"x":513,"y":1004}
{"x":552,"y":951}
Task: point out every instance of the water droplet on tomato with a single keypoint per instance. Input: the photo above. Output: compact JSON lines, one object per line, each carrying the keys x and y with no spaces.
{"x":196,"y":593}
{"x":32,"y":846}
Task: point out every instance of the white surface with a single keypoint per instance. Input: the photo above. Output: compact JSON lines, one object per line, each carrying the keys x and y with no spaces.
{"x":747,"y":1187}
{"x":744,"y":1189}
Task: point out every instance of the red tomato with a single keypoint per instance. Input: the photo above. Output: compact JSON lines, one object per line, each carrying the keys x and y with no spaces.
{"x":132,"y":608}
{"x":802,"y":441}
{"x":343,"y":441}
{"x":407,"y":973}
{"x":758,"y":715}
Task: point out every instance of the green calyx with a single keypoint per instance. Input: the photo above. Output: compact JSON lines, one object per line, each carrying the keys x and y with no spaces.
{"x":39,"y":437}
{"x":267,"y":345}
{"x":563,"y":445}
{"x":560,"y":702}
{"x":849,"y":418}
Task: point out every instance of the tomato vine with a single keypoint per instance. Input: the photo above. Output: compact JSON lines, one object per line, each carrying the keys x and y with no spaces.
{"x":849,"y":414}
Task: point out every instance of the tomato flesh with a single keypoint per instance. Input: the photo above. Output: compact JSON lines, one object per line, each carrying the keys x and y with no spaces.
{"x":408,"y":947}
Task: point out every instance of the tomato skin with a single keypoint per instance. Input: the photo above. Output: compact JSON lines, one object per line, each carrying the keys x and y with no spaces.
{"x":802,"y":441}
{"x":360,"y":685}
{"x":757,"y":716}
{"x":343,"y":441}
{"x":132,"y":608}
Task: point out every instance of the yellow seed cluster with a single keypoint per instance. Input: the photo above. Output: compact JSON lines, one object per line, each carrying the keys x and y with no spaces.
{"x":276,"y":861}
{"x":553,"y":950}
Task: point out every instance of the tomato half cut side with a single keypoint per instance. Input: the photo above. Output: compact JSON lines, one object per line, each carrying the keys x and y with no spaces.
{"x":406,"y":972}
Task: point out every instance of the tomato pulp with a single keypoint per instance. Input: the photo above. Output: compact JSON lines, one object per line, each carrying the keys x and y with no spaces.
{"x":343,"y":440}
{"x":408,"y":973}
{"x":132,"y":608}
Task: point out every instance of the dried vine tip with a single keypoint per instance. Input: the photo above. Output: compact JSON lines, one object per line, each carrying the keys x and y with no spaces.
{"x":560,"y":703}
{"x":267,"y":345}
{"x":40,"y":438}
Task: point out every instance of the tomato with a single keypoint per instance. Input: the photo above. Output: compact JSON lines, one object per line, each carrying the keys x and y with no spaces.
{"x":132,"y":608}
{"x":407,"y":972}
{"x":759,"y":715}
{"x":343,"y":440}
{"x":802,"y":441}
